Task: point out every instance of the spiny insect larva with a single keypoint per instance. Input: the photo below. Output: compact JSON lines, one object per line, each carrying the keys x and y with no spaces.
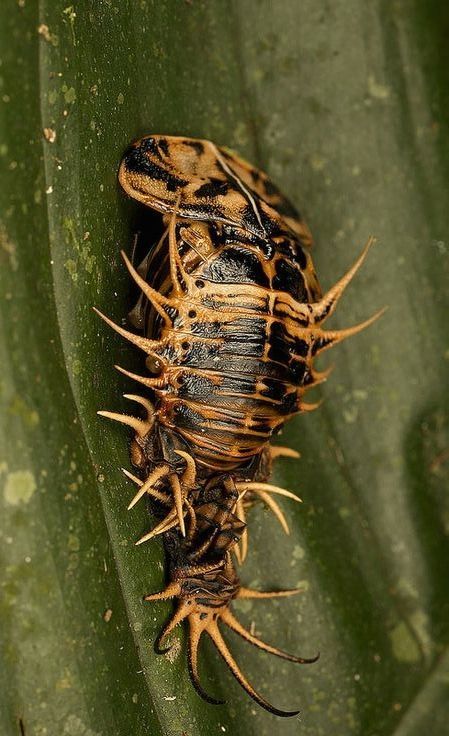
{"x":232,"y":316}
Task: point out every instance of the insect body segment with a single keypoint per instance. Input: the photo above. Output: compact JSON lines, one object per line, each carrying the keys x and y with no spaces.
{"x":232,"y":319}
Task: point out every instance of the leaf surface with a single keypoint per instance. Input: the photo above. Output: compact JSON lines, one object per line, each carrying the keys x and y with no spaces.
{"x":345,"y":105}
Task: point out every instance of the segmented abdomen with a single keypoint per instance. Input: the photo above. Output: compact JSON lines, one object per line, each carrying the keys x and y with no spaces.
{"x":237,"y":355}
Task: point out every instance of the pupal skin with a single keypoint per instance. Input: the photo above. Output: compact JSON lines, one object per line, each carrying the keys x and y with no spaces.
{"x":233,"y":319}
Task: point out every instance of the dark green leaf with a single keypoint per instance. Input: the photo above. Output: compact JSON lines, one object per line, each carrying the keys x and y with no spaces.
{"x":346,"y":105}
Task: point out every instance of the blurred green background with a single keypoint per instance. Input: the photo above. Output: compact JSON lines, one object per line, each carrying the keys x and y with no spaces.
{"x":346,"y":105}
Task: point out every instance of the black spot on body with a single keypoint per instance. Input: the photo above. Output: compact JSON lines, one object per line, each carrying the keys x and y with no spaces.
{"x":301,"y":347}
{"x":298,"y":369}
{"x":212,"y":188}
{"x":279,"y":353}
{"x":236,"y":266}
{"x":163,"y":145}
{"x":196,"y":145}
{"x":283,"y":205}
{"x":278,"y":336}
{"x":274,"y":389}
{"x":282,"y":345}
{"x":289,"y":403}
{"x":289,"y":278}
{"x":271,"y":189}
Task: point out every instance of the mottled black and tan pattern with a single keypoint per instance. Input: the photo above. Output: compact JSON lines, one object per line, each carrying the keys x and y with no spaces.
{"x":215,"y":186}
{"x":231,"y":317}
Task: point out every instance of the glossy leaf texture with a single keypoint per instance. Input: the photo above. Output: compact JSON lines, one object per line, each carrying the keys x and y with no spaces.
{"x":346,"y":105}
